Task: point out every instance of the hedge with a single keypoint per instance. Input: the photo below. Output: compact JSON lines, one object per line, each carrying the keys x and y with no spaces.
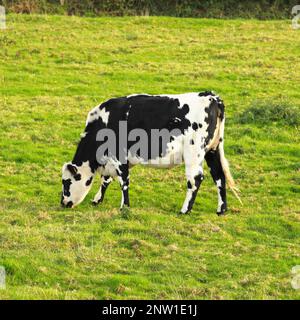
{"x":264,"y":9}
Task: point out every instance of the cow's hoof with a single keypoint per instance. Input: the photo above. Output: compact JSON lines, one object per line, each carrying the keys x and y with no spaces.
{"x":95,"y":203}
{"x":182,"y":213}
{"x":222,"y":212}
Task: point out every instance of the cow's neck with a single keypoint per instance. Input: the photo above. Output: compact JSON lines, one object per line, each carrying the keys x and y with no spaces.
{"x":86,"y":151}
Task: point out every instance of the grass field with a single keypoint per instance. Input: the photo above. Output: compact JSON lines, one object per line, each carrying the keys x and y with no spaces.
{"x":55,"y":69}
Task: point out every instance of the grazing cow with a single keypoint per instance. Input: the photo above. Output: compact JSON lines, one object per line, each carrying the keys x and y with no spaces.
{"x":195,"y":123}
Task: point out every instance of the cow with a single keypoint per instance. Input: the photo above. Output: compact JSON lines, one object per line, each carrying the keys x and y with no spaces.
{"x":195,"y":122}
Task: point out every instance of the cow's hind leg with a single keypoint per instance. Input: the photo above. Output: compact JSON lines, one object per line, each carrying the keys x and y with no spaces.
{"x":194,"y":175}
{"x":194,"y":178}
{"x":214,"y":163}
{"x":123,"y":176}
{"x":105,"y":182}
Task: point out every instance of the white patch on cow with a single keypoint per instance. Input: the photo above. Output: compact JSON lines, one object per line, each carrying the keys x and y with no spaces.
{"x":188,"y":197}
{"x":98,"y":195}
{"x":104,"y":115}
{"x":110,"y":168}
{"x":97,"y":113}
{"x":127,"y":113}
{"x":220,"y":201}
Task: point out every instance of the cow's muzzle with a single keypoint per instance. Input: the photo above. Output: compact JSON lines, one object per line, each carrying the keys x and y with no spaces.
{"x":66,"y":205}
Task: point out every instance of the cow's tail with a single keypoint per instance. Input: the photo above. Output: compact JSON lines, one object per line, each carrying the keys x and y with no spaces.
{"x":224,"y":162}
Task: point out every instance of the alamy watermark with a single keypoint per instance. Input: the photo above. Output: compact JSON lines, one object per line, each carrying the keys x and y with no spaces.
{"x":2,"y":277}
{"x":138,"y":139}
{"x":296,"y":18}
{"x":2,"y":18}
{"x":150,"y":146}
{"x":295,"y":282}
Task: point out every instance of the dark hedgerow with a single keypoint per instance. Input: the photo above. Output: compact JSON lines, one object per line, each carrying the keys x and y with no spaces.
{"x":271,"y":112}
{"x":261,"y":9}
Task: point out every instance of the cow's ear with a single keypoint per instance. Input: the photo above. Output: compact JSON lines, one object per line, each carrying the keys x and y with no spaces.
{"x":72,"y":169}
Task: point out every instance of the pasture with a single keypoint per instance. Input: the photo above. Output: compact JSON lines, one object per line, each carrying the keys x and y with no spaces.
{"x":54,"y":69}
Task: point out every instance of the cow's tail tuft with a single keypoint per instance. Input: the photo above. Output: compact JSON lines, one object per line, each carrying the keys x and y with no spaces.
{"x":224,"y":162}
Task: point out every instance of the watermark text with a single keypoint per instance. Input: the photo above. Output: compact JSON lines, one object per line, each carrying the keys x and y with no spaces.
{"x":296,"y":18}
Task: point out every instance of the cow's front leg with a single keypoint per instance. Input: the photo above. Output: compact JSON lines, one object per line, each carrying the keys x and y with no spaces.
{"x":123,"y":176}
{"x":105,"y":182}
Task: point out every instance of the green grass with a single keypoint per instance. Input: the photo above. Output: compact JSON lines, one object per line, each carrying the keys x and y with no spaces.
{"x":55,"y":69}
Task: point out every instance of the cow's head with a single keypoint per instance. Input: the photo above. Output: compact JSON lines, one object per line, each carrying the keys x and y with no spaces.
{"x":76,"y":183}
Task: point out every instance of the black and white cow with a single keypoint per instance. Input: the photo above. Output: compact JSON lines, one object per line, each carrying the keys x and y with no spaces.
{"x":197,"y":120}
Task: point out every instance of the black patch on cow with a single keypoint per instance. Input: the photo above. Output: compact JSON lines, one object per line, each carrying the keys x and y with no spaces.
{"x":200,"y":125}
{"x":150,"y":112}
{"x":69,"y":204}
{"x":189,"y":185}
{"x":205,"y":94}
{"x":198,"y":179}
{"x":89,"y":181}
{"x":192,"y":142}
{"x":66,"y":187}
{"x":77,"y":177}
{"x":73,"y":170}
{"x":221,"y":108}
{"x":104,"y":186}
{"x":195,"y":126}
{"x":88,"y":145}
{"x":211,"y":120}
{"x":221,"y":139}
{"x":123,"y":172}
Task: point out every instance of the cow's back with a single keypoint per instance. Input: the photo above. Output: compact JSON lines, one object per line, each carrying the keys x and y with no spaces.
{"x":188,"y":115}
